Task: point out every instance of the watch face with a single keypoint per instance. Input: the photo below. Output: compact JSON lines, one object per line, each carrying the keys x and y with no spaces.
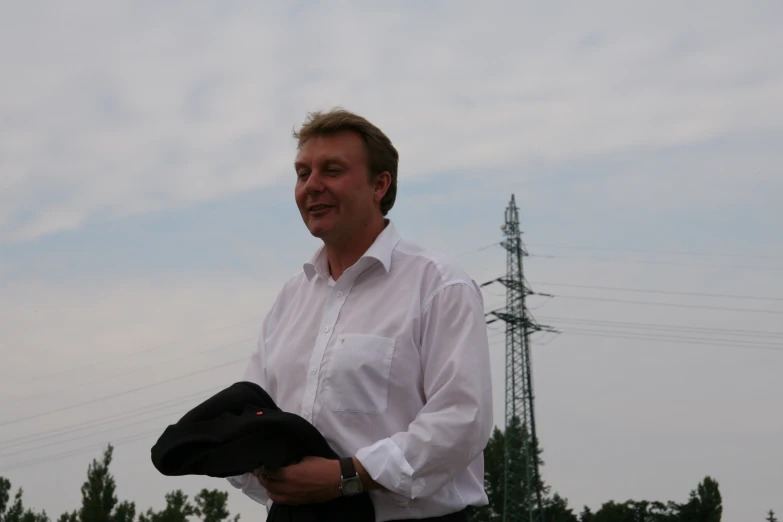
{"x":351,"y":487}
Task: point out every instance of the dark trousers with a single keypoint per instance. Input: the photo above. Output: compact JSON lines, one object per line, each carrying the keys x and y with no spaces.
{"x":459,"y":516}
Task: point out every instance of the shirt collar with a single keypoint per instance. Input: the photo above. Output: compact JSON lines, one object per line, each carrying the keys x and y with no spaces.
{"x":380,"y":250}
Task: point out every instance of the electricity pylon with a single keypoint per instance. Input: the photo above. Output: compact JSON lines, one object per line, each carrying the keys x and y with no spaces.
{"x":522,"y":483}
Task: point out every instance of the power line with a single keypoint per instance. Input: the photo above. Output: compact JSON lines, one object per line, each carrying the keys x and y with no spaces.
{"x":118,"y":394}
{"x":100,"y":421}
{"x":86,"y":449}
{"x":673,"y":263}
{"x":642,"y":251}
{"x":144,"y":350}
{"x":646,"y":251}
{"x":131,"y":371}
{"x":81,"y":437}
{"x":663,"y":292}
{"x":479,"y":249}
{"x":685,"y":329}
{"x":633,"y":337}
{"x":731,"y":343}
{"x":674,"y":305}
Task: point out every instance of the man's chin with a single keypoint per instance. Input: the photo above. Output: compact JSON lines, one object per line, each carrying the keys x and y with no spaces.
{"x":318,"y":231}
{"x":321,"y":228}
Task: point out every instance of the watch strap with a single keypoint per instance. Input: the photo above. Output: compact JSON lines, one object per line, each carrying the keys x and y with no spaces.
{"x":350,"y":483}
{"x":347,"y":469}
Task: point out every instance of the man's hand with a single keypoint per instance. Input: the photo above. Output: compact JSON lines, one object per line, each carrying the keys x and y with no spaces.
{"x":312,"y":480}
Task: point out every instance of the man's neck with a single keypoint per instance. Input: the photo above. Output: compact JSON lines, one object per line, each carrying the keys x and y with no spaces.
{"x":344,"y":254}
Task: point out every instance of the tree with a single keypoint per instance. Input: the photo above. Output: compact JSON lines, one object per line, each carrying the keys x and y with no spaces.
{"x":633,"y":511}
{"x":5,"y":496}
{"x":704,"y":503}
{"x":660,"y":512}
{"x":556,"y":510}
{"x":16,"y":512}
{"x":99,"y":502}
{"x":586,"y":515}
{"x":212,"y":506}
{"x":177,"y":509}
{"x":616,"y":512}
{"x":771,"y":516}
{"x":517,"y":439}
{"x":69,"y":517}
{"x":493,"y":480}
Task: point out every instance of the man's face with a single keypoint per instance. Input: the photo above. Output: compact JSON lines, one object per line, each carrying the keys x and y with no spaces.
{"x":333,"y":191}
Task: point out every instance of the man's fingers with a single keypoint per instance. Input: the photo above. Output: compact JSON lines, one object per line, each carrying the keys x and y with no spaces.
{"x":272,"y":485}
{"x":283,"y":499}
{"x":278,"y":474}
{"x":264,"y":476}
{"x":280,"y":493}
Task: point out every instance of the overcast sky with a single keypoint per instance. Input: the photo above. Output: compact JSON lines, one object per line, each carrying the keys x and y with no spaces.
{"x":147,"y":219}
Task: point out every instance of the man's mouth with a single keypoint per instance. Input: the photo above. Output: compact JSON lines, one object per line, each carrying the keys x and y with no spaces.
{"x":317,"y":208}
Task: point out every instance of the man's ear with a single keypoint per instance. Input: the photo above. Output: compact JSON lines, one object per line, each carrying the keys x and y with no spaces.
{"x":381,"y":185}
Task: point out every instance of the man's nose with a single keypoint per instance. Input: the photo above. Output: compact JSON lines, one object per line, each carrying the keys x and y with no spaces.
{"x":314,"y":182}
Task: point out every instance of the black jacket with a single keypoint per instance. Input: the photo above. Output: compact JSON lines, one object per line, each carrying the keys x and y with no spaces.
{"x":241,"y":429}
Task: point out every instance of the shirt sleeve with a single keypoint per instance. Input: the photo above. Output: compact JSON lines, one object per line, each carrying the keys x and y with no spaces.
{"x":454,"y":426}
{"x":254,"y":372}
{"x":250,"y":486}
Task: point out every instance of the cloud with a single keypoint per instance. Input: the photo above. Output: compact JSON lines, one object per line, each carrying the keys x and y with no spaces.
{"x":113,"y":111}
{"x":616,"y":125}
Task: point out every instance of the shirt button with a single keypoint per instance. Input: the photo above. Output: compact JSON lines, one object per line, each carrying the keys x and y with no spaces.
{"x":326,"y":329}
{"x":313,"y":371}
{"x":306,"y":415}
{"x":339,"y":294}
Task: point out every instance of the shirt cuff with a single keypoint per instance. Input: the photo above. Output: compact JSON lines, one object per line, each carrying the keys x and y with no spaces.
{"x":385,"y":462}
{"x":251,"y":487}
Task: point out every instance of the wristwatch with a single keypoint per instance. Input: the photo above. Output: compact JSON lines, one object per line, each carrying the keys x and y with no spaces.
{"x":350,"y":483}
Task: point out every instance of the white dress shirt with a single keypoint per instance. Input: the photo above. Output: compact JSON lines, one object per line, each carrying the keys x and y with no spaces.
{"x":391,"y":364}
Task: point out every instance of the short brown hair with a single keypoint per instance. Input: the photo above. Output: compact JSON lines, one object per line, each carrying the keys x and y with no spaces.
{"x":381,"y":154}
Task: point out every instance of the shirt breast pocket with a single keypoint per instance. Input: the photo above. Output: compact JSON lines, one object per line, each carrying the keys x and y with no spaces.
{"x":358,"y":373}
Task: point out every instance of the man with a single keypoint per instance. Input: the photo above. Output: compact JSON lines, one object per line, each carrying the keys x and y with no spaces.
{"x":379,"y":343}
